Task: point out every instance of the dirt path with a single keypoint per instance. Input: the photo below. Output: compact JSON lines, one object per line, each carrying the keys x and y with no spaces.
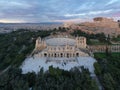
{"x":4,"y":70}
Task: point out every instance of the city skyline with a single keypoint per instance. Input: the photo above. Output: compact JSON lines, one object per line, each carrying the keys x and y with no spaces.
{"x":36,"y":11}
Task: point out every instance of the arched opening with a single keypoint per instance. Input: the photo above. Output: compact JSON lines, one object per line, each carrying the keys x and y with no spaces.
{"x":77,"y":54}
{"x":55,"y":55}
{"x":67,"y":55}
{"x":45,"y":54}
{"x":61,"y":55}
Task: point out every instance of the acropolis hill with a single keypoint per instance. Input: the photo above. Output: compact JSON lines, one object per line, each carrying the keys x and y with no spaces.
{"x":98,"y":25}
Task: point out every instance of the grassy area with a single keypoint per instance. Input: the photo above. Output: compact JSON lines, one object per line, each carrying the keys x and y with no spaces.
{"x":99,"y":55}
{"x":116,"y":39}
{"x":103,"y":55}
{"x":96,"y":42}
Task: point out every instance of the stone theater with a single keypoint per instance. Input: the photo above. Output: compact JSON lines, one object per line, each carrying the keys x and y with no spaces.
{"x":60,"y":46}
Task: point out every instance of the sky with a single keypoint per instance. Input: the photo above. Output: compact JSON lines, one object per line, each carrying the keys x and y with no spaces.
{"x":36,"y":11}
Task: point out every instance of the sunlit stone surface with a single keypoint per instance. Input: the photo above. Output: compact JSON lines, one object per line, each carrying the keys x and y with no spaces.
{"x":34,"y":64}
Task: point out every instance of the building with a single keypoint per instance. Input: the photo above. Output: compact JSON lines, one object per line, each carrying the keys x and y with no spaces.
{"x":60,"y":46}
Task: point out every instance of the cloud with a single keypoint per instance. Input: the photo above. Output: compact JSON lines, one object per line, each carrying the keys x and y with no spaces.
{"x":89,"y":13}
{"x":112,"y":2}
{"x":50,"y":10}
{"x":86,"y":6}
{"x":11,"y":21}
{"x":14,"y":5}
{"x":74,"y":20}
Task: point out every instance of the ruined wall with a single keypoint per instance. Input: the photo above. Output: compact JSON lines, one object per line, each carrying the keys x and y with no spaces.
{"x":102,"y":48}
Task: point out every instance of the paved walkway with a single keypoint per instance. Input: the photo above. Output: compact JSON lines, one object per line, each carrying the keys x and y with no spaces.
{"x":94,"y":77}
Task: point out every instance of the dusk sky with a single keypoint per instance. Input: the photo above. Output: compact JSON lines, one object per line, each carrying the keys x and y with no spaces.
{"x":35,"y":11}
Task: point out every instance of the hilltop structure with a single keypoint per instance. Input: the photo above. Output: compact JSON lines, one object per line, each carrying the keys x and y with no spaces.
{"x":105,"y":22}
{"x":98,"y":25}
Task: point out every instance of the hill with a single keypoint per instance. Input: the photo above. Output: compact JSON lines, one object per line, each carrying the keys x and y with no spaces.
{"x":99,"y":25}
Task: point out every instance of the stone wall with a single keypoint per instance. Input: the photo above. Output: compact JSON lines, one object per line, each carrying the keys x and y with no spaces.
{"x":103,"y":48}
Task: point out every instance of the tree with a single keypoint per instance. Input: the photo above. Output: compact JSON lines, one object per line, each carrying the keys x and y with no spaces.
{"x":31,"y":78}
{"x":97,"y":68}
{"x":108,"y":82}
